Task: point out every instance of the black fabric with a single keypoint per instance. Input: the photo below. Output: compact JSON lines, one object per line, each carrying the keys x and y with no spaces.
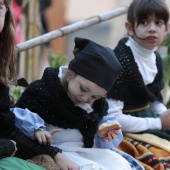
{"x":4,"y":98}
{"x":27,"y":148}
{"x":19,"y":2}
{"x":7,"y":123}
{"x":129,"y":86}
{"x":44,"y":4}
{"x":7,"y":119}
{"x":48,"y":98}
{"x":95,"y":63}
{"x":6,"y":148}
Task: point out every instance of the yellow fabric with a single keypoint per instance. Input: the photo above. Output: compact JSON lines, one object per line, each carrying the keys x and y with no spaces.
{"x":136,"y":110}
{"x":151,"y":139}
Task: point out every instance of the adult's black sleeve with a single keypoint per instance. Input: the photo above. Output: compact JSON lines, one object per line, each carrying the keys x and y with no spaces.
{"x":28,"y":148}
{"x":6,"y":148}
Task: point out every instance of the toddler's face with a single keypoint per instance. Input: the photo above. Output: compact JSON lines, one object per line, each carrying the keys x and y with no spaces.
{"x":82,"y":90}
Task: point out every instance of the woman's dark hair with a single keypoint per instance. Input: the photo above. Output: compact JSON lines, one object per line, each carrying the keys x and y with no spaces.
{"x":141,"y":9}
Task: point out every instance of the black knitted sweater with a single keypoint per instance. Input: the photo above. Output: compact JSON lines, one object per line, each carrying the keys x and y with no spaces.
{"x":130,"y":87}
{"x":27,"y":148}
{"x":48,"y":98}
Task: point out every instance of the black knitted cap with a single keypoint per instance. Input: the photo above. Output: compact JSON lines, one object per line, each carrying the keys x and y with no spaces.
{"x":95,"y":63}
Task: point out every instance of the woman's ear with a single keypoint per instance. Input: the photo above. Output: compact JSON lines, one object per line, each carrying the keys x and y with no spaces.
{"x":129,"y":28}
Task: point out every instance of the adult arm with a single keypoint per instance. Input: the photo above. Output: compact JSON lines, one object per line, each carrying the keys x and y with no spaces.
{"x":7,"y":147}
{"x":130,"y":123}
{"x":7,"y":120}
{"x":28,"y":148}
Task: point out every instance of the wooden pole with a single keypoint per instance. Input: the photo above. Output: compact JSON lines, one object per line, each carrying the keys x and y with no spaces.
{"x":71,"y":28}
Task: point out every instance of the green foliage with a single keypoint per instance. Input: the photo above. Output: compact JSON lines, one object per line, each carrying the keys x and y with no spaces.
{"x":15,"y":93}
{"x":56,"y":60}
{"x":166,"y":42}
{"x":166,"y":68}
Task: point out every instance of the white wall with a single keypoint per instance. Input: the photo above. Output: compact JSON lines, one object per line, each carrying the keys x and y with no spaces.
{"x":107,"y":33}
{"x":77,"y":10}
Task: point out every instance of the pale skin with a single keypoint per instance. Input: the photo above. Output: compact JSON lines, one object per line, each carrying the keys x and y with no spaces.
{"x":2,"y":18}
{"x":45,"y":137}
{"x":149,"y":34}
{"x":64,"y":163}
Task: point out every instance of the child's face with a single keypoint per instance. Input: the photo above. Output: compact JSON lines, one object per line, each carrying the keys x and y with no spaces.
{"x":150,"y":32}
{"x":82,"y":90}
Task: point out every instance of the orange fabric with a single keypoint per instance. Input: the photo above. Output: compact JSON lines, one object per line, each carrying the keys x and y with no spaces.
{"x":150,"y":157}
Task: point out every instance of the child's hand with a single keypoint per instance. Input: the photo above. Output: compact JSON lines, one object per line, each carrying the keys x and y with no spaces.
{"x":45,"y":137}
{"x":65,"y":163}
{"x":109,"y":131}
{"x":111,"y":134}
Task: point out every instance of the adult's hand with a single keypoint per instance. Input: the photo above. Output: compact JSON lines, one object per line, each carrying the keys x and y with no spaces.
{"x":165,"y":119}
{"x":65,"y":163}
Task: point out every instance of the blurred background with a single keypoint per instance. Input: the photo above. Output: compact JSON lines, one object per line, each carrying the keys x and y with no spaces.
{"x":37,"y":17}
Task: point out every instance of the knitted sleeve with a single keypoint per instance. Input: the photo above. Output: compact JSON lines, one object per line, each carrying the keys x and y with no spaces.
{"x":28,"y":148}
{"x":7,"y":119}
{"x":6,"y":148}
{"x":4,"y":98}
{"x":89,"y":126}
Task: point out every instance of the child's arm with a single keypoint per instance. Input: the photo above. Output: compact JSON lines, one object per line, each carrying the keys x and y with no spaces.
{"x":65,"y":163}
{"x":109,"y":133}
{"x":158,"y":107}
{"x":28,"y":122}
{"x":45,"y":137}
{"x":33,"y":126}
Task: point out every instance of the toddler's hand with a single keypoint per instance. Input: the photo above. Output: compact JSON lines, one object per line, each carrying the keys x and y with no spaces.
{"x":65,"y":163}
{"x":109,"y":131}
{"x":111,"y":134}
{"x":45,"y":137}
